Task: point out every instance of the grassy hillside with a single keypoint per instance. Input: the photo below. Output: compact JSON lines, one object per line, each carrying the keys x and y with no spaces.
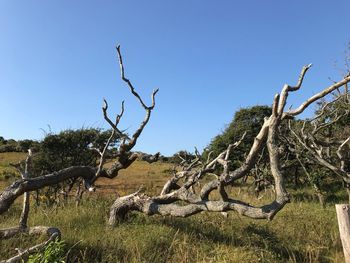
{"x":5,"y":159}
{"x":302,"y":232}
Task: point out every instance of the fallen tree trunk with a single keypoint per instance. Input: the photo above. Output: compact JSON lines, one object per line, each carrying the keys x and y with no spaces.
{"x":19,"y":187}
{"x":167,"y":203}
{"x":124,"y":158}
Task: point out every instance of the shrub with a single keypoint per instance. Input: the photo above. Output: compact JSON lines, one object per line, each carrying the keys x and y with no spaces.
{"x":55,"y":252}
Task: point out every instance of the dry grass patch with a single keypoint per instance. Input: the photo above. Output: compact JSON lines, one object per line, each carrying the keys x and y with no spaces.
{"x":151,"y":176}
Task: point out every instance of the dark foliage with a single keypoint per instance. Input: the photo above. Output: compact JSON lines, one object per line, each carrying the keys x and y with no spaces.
{"x":70,"y":148}
{"x":247,"y":120}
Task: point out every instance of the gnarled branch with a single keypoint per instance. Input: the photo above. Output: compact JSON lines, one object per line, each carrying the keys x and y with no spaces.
{"x":167,"y":202}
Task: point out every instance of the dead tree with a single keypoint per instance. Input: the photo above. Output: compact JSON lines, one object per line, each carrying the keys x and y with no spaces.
{"x":22,"y":227}
{"x":180,"y":201}
{"x":331,"y":152}
{"x":173,"y":191}
{"x":88,"y":174}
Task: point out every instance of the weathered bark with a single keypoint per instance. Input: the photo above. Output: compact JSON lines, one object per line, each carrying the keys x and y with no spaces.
{"x":19,"y":187}
{"x":23,"y":228}
{"x":348,"y":193}
{"x":36,"y":230}
{"x":166,"y":203}
{"x":316,"y":97}
{"x":89,"y":174}
{"x":343,"y":215}
{"x":150,"y":206}
{"x":191,"y":203}
{"x":124,"y":158}
{"x":26,"y":197}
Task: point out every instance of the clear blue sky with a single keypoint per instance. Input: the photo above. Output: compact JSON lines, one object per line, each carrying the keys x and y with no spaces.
{"x":208,"y":58}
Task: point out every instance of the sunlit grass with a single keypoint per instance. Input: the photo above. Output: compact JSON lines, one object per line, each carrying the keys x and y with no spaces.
{"x":301,"y":232}
{"x":6,"y":170}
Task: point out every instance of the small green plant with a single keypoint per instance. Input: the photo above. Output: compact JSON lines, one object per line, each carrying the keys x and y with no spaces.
{"x":55,"y":252}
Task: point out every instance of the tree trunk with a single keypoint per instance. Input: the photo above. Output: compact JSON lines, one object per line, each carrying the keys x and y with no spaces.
{"x":343,"y":215}
{"x":321,"y":199}
{"x":348,"y":192}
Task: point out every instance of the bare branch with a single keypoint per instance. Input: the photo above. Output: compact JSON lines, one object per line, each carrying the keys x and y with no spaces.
{"x":342,"y":154}
{"x":26,"y":197}
{"x":19,"y":187}
{"x":103,"y":153}
{"x":286,"y":89}
{"x":316,"y":97}
{"x":322,"y":126}
{"x":322,"y":111}
{"x":132,"y":89}
{"x":318,"y":157}
{"x":150,"y":206}
{"x":114,"y":125}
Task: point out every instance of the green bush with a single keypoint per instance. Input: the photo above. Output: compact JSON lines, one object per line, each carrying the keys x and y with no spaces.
{"x":246,"y":120}
{"x":55,"y":252}
{"x":70,"y":148}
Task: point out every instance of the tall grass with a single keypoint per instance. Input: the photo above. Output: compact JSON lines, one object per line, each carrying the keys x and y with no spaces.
{"x":6,"y":171}
{"x":301,"y":232}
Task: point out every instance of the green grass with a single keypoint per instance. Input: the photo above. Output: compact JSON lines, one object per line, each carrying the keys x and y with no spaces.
{"x":6,"y":171}
{"x":301,"y":232}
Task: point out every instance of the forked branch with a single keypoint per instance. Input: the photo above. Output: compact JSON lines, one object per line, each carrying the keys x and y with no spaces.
{"x":124,"y":157}
{"x":191,"y":203}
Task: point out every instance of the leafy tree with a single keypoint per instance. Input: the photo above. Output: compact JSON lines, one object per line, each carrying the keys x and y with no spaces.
{"x":247,"y":120}
{"x":70,"y":148}
{"x":8,"y":145}
{"x":180,"y":156}
{"x":26,"y":144}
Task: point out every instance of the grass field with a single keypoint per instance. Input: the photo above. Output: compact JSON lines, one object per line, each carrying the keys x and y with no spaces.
{"x":5,"y":160}
{"x":302,"y":232}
